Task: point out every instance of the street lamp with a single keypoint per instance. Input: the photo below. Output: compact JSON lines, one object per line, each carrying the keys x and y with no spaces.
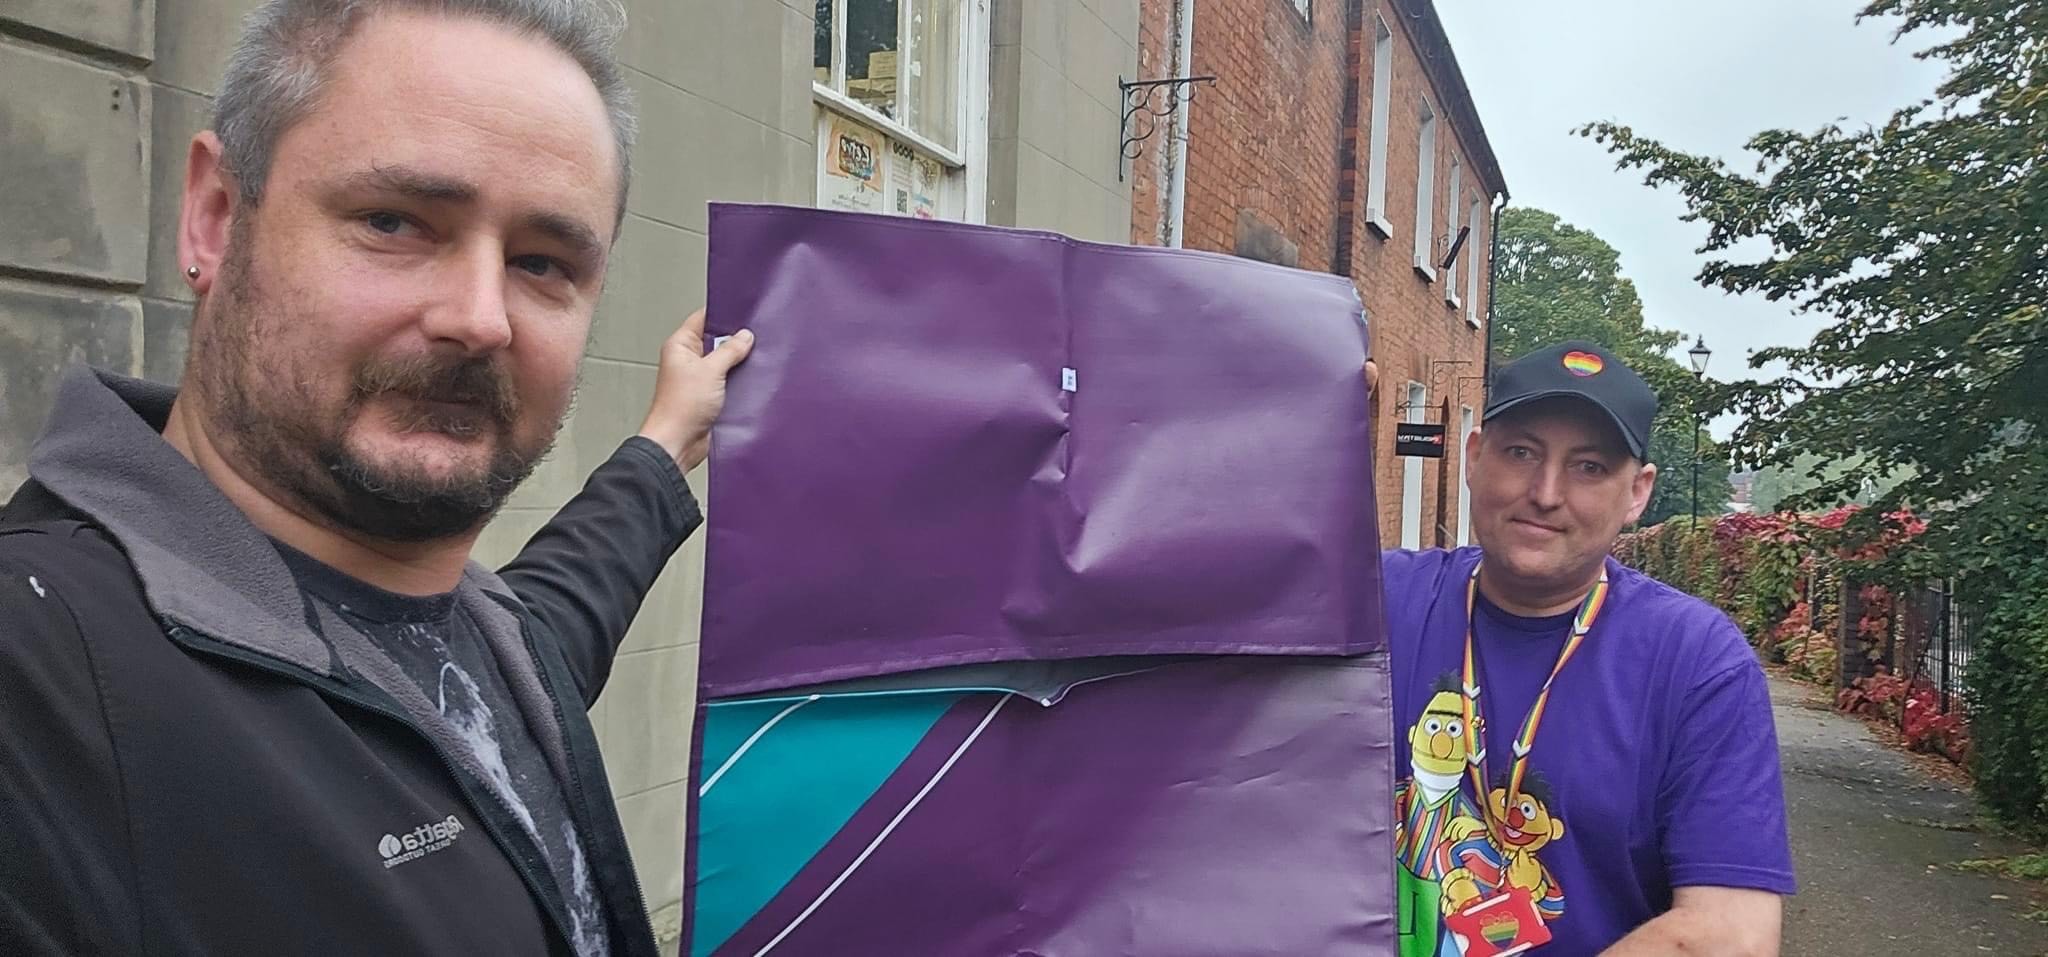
{"x":1699,"y":353}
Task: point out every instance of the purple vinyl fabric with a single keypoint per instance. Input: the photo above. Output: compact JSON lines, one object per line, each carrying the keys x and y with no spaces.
{"x":1229,"y":807}
{"x":958,"y":444}
{"x":1132,"y":486}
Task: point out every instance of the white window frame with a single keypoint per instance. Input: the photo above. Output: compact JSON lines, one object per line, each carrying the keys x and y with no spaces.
{"x":1475,"y":246}
{"x":1376,"y":144}
{"x":1425,"y":192}
{"x":969,"y":160}
{"x":1303,"y":7}
{"x":1451,"y":223}
{"x":1465,"y":427}
{"x":1411,"y":473}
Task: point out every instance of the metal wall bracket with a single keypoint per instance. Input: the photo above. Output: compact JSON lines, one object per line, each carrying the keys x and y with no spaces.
{"x":1143,"y":111}
{"x":1439,"y":371}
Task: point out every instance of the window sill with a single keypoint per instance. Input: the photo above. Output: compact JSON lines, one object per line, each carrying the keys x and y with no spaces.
{"x":1424,"y":270}
{"x":1472,"y":320}
{"x":1452,"y":303}
{"x":1377,"y":222}
{"x":841,"y":103}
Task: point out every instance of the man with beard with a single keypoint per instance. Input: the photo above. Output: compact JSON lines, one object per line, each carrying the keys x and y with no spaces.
{"x":256,"y":698}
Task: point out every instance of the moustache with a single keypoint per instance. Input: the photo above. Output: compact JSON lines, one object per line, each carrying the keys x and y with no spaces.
{"x":480,"y":384}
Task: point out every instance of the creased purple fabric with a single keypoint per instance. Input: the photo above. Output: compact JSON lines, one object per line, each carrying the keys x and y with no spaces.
{"x":900,"y":480}
{"x":1233,"y":807}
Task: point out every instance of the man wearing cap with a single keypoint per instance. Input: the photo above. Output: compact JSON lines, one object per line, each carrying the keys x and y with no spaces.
{"x":1620,"y":792}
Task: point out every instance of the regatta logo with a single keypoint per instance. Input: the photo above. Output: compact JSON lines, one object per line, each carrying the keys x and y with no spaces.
{"x":419,"y":842}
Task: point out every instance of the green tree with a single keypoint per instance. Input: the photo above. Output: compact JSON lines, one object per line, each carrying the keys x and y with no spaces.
{"x":1925,"y":242}
{"x":1775,"y":485}
{"x":1671,"y":449}
{"x":1557,"y":282}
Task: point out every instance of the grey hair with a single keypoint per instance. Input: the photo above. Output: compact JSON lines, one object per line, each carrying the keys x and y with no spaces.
{"x":279,"y":66}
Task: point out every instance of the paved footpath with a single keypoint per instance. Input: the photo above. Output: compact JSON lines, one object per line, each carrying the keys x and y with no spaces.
{"x":1873,"y":838}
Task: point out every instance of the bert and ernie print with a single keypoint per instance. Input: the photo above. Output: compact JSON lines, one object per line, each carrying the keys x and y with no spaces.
{"x":1472,"y":883}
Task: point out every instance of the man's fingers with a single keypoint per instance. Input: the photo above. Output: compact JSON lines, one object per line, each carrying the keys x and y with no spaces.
{"x":691,"y":335}
{"x":731,"y":352}
{"x":1372,"y":377}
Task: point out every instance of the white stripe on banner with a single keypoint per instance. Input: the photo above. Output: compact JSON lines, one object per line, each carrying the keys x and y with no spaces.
{"x":879,"y":838}
{"x":756,"y":736}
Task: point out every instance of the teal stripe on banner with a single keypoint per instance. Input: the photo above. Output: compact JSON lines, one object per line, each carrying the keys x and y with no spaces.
{"x":779,"y":779}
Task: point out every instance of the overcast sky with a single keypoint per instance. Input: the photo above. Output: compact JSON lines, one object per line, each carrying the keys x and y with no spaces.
{"x":1702,"y":77}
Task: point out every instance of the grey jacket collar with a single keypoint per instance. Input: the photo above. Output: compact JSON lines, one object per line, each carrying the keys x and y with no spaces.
{"x":202,"y":563}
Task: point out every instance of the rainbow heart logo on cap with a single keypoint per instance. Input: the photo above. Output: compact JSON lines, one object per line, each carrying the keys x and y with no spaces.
{"x":1583,"y":364}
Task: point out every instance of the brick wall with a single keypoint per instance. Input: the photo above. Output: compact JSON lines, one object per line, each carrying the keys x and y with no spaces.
{"x":1413,"y":326}
{"x":1271,"y":148}
{"x":1263,"y":139}
{"x":1147,"y":173}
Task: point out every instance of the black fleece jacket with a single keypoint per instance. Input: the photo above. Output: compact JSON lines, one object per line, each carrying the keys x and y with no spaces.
{"x":186,"y":767}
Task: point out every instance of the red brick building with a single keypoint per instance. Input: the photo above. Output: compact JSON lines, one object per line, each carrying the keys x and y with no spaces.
{"x":1309,"y":149}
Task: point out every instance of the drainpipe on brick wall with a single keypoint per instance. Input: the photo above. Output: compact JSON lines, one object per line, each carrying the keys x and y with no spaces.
{"x":1183,"y":58}
{"x":1492,"y":273}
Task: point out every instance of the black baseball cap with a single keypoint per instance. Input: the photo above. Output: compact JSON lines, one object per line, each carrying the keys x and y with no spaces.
{"x":1579,"y":370}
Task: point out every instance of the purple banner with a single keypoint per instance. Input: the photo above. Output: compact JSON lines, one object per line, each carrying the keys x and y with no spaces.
{"x":1230,"y":807}
{"x":960,"y":444}
{"x":1042,"y":605}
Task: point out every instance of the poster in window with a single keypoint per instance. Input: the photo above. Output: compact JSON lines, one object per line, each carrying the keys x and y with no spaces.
{"x":853,"y":168}
{"x":914,"y":180}
{"x":901,"y":158}
{"x":924,"y":187}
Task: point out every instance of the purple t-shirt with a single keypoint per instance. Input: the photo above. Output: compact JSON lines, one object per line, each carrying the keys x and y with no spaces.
{"x":1655,"y":764}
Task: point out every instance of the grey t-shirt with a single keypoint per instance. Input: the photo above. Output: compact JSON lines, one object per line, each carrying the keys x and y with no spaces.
{"x":436,"y":644}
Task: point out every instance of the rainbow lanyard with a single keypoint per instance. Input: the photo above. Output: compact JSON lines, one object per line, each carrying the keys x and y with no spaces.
{"x":1526,"y":739}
